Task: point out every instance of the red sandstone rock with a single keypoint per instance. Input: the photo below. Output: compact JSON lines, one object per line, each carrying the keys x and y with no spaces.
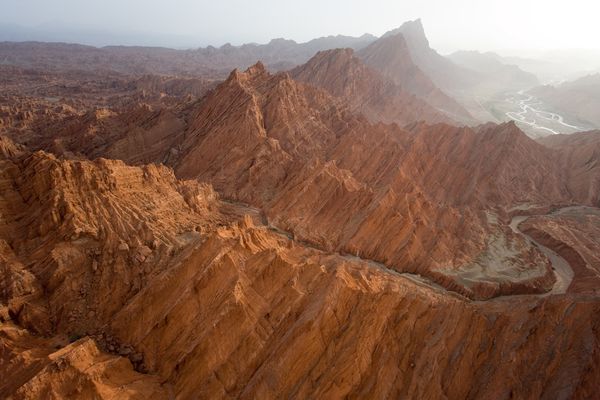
{"x":177,"y":293}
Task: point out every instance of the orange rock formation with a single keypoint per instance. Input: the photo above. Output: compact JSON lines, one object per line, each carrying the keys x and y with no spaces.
{"x":271,"y":238}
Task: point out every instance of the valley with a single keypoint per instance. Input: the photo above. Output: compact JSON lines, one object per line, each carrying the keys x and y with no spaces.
{"x":537,"y":118}
{"x":531,"y":114}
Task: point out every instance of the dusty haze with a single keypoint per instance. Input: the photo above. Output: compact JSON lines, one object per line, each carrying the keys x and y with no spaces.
{"x":510,"y":24}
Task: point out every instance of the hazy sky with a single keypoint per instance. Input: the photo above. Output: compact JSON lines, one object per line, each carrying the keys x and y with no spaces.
{"x":449,"y":24}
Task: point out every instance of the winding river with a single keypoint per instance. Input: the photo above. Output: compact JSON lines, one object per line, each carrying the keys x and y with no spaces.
{"x":562,"y":270}
{"x":536,"y":118}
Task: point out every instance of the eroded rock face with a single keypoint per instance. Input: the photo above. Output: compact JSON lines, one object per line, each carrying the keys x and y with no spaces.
{"x":578,"y":156}
{"x":300,"y":280}
{"x":244,"y":311}
{"x":88,"y":228}
{"x":269,"y":141}
{"x":288,"y":313}
{"x":35,"y":367}
{"x":207,"y":304}
{"x":311,"y":165}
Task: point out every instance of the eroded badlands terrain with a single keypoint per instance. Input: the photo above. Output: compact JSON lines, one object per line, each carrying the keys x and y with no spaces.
{"x":333,"y":231}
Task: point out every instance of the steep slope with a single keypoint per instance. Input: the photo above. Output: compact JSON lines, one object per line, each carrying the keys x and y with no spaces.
{"x":494,"y":165}
{"x":443,"y":72}
{"x":34,"y":367}
{"x":306,"y":159}
{"x":225,"y":307}
{"x":579,"y":157}
{"x":343,"y":75}
{"x":390,"y":55}
{"x":297,"y":153}
{"x":77,"y":227}
{"x":326,"y":319}
{"x":247,"y":304}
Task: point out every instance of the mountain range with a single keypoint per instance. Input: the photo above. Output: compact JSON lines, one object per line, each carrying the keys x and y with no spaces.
{"x":419,"y":69}
{"x":324,"y":223}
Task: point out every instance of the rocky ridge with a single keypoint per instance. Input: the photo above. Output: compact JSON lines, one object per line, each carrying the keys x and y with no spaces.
{"x":336,"y":256}
{"x":342,"y":74}
{"x":222,"y":303}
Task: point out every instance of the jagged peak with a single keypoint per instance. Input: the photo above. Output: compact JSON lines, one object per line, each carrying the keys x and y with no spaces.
{"x":413,"y":31}
{"x":234,"y":75}
{"x":256,"y":69}
{"x":512,"y":129}
{"x":416,"y":24}
{"x":9,"y":149}
{"x":413,"y":28}
{"x":506,"y":131}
